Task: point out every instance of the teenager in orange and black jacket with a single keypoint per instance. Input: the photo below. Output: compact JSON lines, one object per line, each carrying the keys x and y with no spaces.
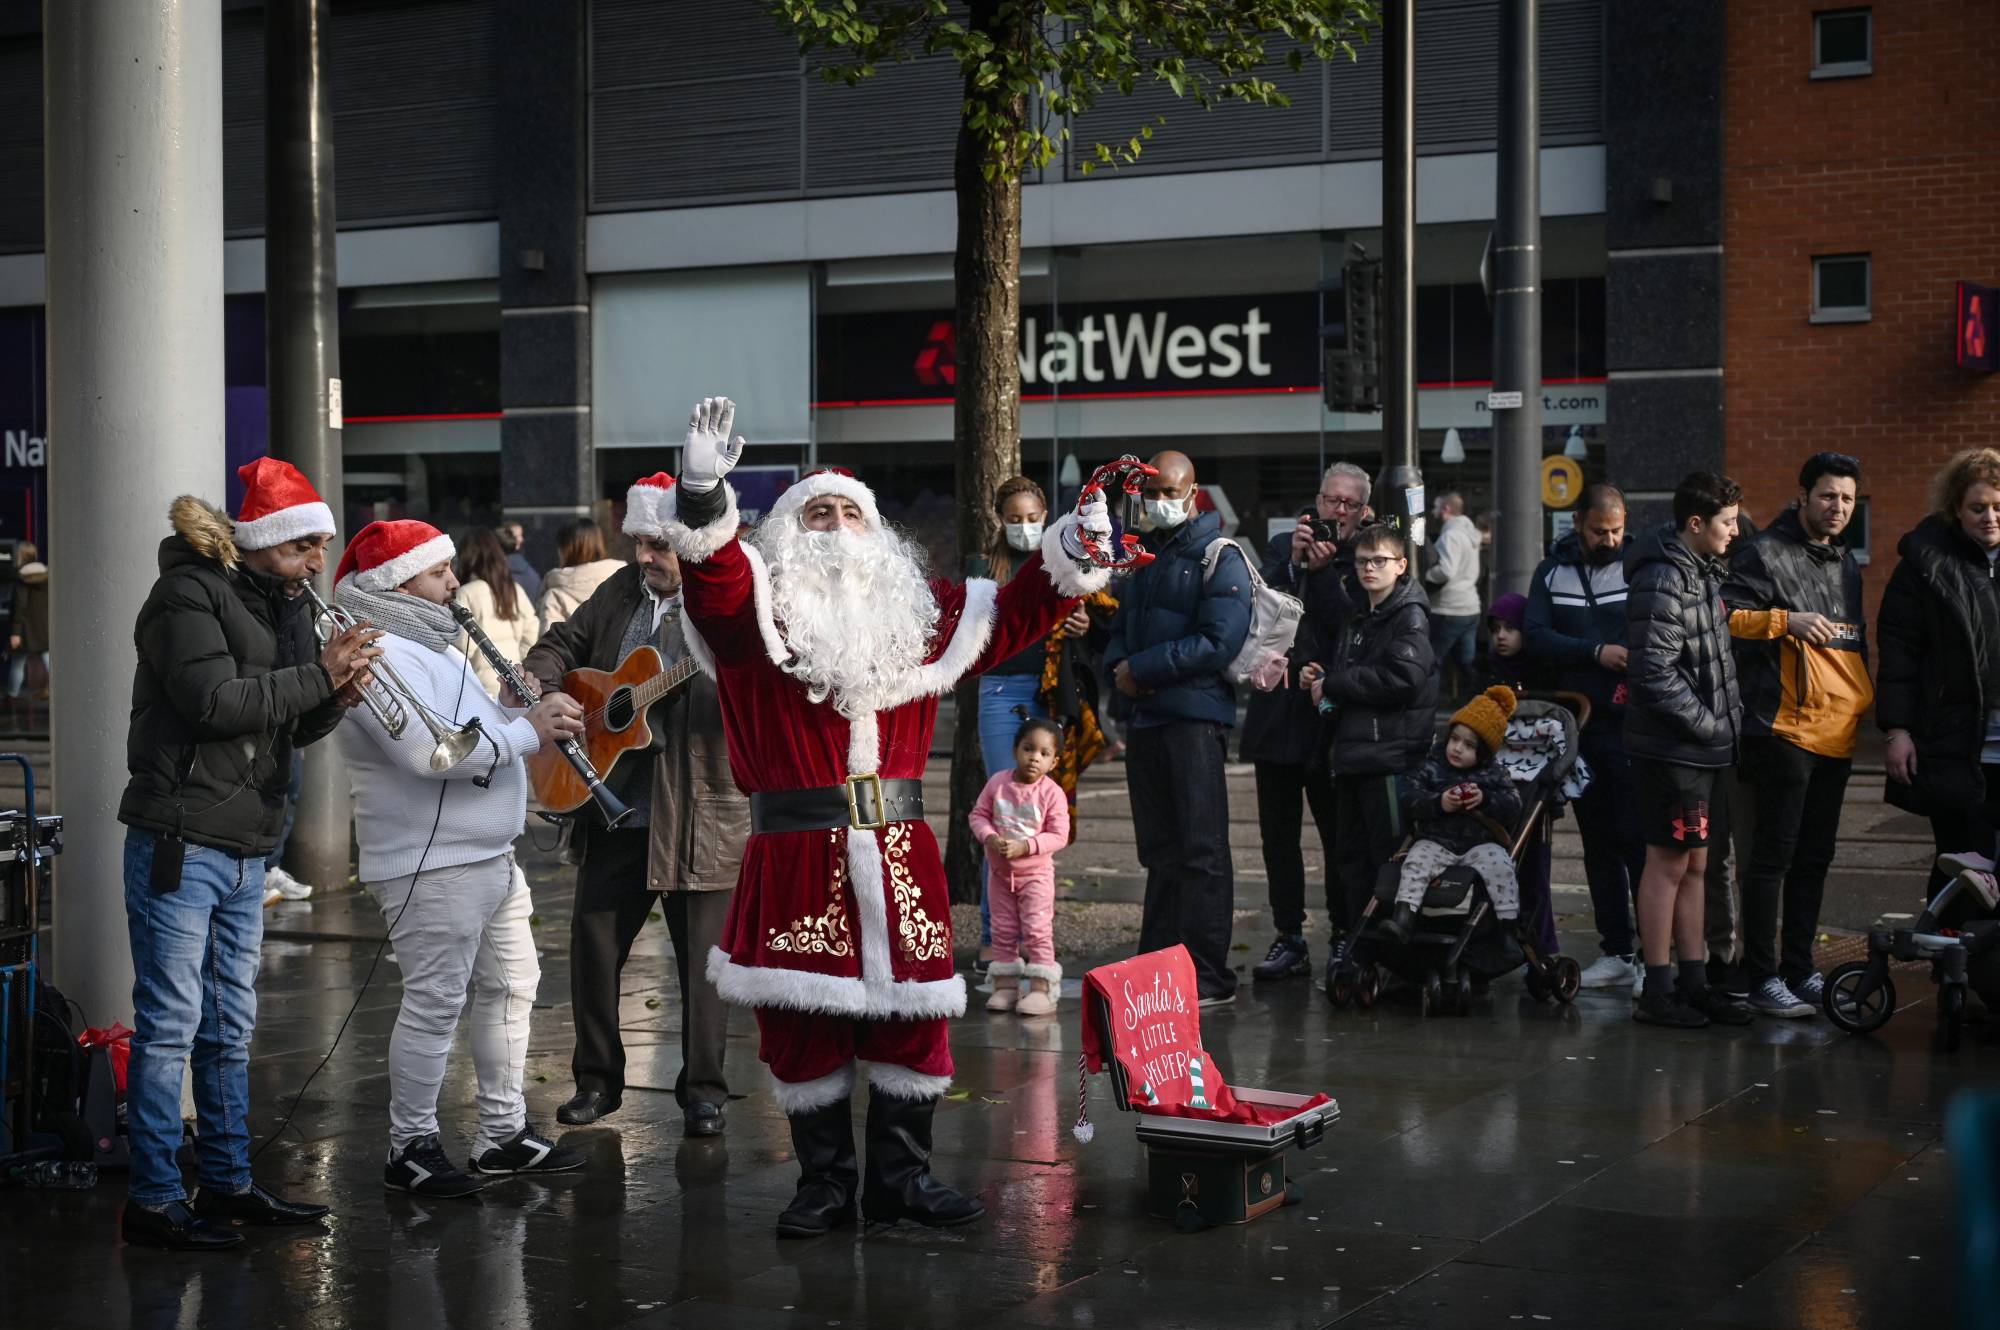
{"x":1794,"y":596}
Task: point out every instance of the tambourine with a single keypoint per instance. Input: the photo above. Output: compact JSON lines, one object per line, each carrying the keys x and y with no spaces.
{"x":1126,"y":476}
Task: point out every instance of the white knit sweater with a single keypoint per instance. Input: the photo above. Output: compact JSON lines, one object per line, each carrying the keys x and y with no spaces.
{"x":395,"y":791}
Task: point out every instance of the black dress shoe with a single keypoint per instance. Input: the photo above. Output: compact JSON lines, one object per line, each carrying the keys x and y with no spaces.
{"x":176,"y":1227}
{"x":703,"y":1119}
{"x":586,"y":1107}
{"x":255,"y":1206}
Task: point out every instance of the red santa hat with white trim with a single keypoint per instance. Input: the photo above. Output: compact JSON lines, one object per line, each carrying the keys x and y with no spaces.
{"x":384,"y":555}
{"x":828,"y":480}
{"x":279,"y":504}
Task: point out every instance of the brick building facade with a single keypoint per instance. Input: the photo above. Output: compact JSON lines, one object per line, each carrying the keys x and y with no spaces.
{"x":1895,"y":157}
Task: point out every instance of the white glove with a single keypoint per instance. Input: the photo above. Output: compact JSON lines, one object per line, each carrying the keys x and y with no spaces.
{"x":1093,"y":518}
{"x":708,"y":453}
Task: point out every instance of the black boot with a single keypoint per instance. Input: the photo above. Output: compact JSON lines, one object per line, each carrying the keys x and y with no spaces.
{"x":824,"y":1142}
{"x":900,"y":1185}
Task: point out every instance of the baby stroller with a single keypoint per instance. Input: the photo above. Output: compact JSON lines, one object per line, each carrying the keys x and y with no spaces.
{"x":1958,"y":933}
{"x":1459,"y":942}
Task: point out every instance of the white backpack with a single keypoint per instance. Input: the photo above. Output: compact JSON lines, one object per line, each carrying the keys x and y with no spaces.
{"x":1274,"y":622}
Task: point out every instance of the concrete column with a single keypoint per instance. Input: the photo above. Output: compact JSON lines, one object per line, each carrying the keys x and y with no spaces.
{"x":1663,"y":312}
{"x":133,"y":111}
{"x":548,"y":466}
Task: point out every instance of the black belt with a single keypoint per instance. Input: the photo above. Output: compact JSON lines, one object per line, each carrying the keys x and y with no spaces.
{"x":861,"y":803}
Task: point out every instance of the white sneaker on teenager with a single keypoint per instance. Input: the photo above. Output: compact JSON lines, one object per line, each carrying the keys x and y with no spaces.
{"x":1605,"y":972}
{"x":287,"y":886}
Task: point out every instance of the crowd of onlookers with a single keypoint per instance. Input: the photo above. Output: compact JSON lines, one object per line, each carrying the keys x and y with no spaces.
{"x":1721,"y":675}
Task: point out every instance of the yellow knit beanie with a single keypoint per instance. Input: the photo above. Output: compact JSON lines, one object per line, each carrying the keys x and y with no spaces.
{"x":1486,"y":716}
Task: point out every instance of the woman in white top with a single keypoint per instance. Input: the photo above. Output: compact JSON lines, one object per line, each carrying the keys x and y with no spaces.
{"x":584,"y":569}
{"x":502,"y":609}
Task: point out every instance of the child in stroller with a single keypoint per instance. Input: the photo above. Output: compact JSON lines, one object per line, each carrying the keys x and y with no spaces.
{"x":1462,"y":807}
{"x":1448,"y":940}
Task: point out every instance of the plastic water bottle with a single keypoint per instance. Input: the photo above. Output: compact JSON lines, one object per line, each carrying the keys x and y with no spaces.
{"x":55,"y":1174}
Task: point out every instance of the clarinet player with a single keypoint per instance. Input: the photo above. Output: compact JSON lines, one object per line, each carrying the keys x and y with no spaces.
{"x":437,"y":853}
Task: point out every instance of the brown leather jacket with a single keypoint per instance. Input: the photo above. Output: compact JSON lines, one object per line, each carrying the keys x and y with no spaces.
{"x":699,"y":820}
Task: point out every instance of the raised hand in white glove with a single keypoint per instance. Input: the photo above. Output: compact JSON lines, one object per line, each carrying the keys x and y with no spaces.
{"x":1093,"y":519}
{"x":708,"y":453}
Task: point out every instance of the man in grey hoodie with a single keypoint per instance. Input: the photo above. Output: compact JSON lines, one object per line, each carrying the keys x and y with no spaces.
{"x":1452,"y":579}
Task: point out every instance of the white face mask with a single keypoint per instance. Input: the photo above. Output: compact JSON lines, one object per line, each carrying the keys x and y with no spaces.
{"x":1024,"y":536}
{"x":1162,"y":514}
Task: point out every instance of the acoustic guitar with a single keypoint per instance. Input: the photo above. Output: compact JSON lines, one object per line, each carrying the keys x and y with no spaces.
{"x":614,"y":722}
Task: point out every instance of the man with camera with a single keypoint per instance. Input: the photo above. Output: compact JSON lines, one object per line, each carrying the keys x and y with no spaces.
{"x":1282,"y":736}
{"x":227,"y":684}
{"x":1795,"y":612}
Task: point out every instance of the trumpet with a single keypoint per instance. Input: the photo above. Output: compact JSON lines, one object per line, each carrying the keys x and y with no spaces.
{"x":386,"y":695}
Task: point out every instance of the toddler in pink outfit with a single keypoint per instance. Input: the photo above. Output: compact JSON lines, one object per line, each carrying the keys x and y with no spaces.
{"x":1022,"y":819}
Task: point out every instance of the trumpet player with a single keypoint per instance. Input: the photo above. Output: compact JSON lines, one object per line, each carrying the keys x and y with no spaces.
{"x":227,"y":684}
{"x":439,"y":799}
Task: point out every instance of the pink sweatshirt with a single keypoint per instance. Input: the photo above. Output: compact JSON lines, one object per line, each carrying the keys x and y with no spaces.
{"x":1037,"y":814}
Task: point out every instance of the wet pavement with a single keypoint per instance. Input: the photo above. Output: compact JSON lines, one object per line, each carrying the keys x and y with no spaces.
{"x":1527,"y":1163}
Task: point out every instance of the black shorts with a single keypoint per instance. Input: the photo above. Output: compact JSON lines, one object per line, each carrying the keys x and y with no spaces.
{"x":1674,"y":802}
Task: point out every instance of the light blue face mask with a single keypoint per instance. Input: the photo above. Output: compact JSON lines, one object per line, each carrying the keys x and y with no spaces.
{"x":1162,"y":514}
{"x":1024,"y":536}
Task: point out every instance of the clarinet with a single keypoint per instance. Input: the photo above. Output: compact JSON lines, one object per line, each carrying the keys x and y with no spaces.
{"x":614,"y":810}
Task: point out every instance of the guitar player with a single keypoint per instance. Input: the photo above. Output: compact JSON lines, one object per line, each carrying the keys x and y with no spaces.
{"x":682,"y":846}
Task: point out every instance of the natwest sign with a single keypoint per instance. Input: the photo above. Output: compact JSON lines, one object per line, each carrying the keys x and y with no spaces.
{"x":1205,"y":345}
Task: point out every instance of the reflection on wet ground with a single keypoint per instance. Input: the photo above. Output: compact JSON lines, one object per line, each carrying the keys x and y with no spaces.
{"x":1529,"y":1163}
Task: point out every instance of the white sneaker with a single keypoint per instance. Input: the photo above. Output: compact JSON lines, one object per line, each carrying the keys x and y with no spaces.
{"x":287,"y":886}
{"x":272,"y":896}
{"x":1773,"y":998}
{"x":1605,"y":972}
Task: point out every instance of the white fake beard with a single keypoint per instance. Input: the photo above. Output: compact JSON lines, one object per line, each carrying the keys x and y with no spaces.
{"x":855,"y":609}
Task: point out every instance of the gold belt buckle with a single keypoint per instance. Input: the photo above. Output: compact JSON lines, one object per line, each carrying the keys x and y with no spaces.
{"x":873,"y":781}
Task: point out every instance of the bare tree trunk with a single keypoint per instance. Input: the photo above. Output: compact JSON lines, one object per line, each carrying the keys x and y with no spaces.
{"x":986,"y":415}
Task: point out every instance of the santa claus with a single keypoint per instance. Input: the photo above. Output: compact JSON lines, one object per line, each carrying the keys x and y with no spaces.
{"x":830,"y":646}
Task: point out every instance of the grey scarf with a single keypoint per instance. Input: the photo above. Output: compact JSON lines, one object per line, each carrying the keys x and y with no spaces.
{"x":404,"y":615}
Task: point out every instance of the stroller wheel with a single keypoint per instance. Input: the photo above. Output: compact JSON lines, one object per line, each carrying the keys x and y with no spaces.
{"x":1856,"y":1005}
{"x":1367,"y":988}
{"x":1951,"y":1015}
{"x":1569,"y":978}
{"x":1464,"y":1002}
{"x":1433,"y":999}
{"x":1340,"y":987}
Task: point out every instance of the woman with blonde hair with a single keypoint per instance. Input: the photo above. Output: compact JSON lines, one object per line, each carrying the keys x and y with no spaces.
{"x":1937,"y":693}
{"x":487,"y":588}
{"x":584,"y":568}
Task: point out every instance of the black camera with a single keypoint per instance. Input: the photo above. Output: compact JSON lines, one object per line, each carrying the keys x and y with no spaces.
{"x":1323,"y":530}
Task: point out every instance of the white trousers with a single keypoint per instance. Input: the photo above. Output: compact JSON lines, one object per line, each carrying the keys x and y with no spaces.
{"x":459,"y":931}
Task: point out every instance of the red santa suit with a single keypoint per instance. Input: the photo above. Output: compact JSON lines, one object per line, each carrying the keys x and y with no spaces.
{"x":841,"y":938}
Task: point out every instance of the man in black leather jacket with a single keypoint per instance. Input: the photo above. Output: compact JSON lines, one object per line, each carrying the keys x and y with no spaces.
{"x":1282,"y":736}
{"x":1681,"y":729}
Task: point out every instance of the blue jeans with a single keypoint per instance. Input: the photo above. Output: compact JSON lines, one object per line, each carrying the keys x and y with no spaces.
{"x":194,"y":986}
{"x":277,"y":854}
{"x":999,"y":694}
{"x":1454,"y":640}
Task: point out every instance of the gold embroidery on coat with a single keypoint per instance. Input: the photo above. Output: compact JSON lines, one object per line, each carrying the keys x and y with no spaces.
{"x":821,"y":934}
{"x":923,"y":938}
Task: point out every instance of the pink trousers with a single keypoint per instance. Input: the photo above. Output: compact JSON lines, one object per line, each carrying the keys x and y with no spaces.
{"x":1024,"y":915}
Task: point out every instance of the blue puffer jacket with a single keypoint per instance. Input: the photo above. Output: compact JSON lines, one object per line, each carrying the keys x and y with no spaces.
{"x":1178,"y":634}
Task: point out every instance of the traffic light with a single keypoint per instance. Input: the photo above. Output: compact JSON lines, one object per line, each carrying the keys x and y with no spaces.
{"x":1351,"y":333}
